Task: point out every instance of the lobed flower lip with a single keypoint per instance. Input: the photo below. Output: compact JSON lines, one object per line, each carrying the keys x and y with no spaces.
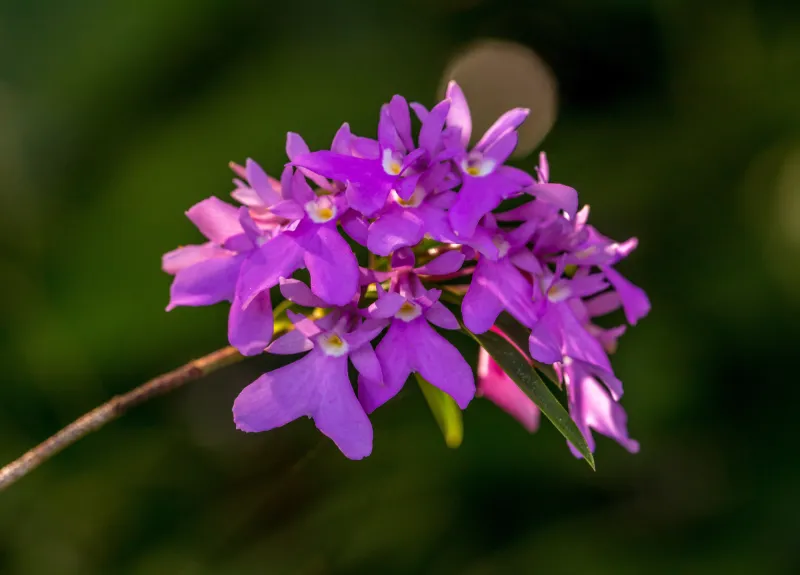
{"x":406,"y":196}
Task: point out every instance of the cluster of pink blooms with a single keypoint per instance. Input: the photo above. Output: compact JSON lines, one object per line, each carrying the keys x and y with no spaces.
{"x":433,"y":216}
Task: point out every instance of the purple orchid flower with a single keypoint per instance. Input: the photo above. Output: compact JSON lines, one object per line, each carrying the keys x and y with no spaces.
{"x":317,"y":385}
{"x":311,"y":240}
{"x":485,"y":180}
{"x":398,"y":165}
{"x":500,"y":281}
{"x":591,"y":407}
{"x":412,"y":345}
{"x":495,"y":385}
{"x":208,"y":274}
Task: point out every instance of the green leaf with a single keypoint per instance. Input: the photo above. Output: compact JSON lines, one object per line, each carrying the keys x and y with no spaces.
{"x":446,"y":412}
{"x":519,"y":370}
{"x":519,"y":334}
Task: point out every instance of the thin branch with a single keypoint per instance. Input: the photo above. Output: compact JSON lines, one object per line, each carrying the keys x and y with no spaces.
{"x":113,"y":409}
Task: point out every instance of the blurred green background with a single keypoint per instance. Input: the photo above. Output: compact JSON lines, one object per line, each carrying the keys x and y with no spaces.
{"x":677,"y":121}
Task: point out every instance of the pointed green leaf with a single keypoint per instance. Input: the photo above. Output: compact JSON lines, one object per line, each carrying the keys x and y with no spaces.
{"x":519,"y":334}
{"x":519,"y":370}
{"x":446,"y":412}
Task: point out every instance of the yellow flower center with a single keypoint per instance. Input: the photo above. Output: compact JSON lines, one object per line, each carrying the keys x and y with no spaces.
{"x":335,"y":341}
{"x":325,"y":213}
{"x":407,"y":308}
{"x":474,"y":171}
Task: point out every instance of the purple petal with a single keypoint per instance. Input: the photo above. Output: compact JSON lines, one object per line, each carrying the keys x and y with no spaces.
{"x":505,"y":123}
{"x":420,"y":111}
{"x":278,"y":397}
{"x":342,"y":140}
{"x":346,"y":168}
{"x":394,"y":230}
{"x":603,"y":304}
{"x":439,"y":315}
{"x":393,"y":354}
{"x":339,"y":415}
{"x":480,"y":306}
{"x":447,"y":263}
{"x":278,"y":258}
{"x":458,"y":115}
{"x":259,"y":181}
{"x":544,"y":342}
{"x":288,"y":209}
{"x":438,"y":361}
{"x":305,"y":325}
{"x":301,"y":191}
{"x":290,"y":344}
{"x":366,"y":362}
{"x":366,"y":332}
{"x":333,"y":267}
{"x":430,"y":133}
{"x":185,"y":256}
{"x":557,"y":195}
{"x":577,"y":342}
{"x":398,"y":109}
{"x":300,"y":293}
{"x":525,"y":260}
{"x":520,"y":178}
{"x":386,"y":305}
{"x":296,"y":146}
{"x":594,"y":409}
{"x":476,"y":198}
{"x":436,"y":223}
{"x":356,"y":226}
{"x":316,"y":386}
{"x":205,"y":283}
{"x":250,"y":329}
{"x":388,"y":138}
{"x":501,"y":149}
{"x":635,"y":302}
{"x":215,"y":219}
{"x":247,"y":196}
{"x":365,"y":198}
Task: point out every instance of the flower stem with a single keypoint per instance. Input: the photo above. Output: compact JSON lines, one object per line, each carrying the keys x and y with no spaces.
{"x":113,"y":409}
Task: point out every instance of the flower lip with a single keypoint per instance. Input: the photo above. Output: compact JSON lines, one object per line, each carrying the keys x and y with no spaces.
{"x":333,"y":345}
{"x":408,"y":311}
{"x":477,"y":166}
{"x":392,"y":162}
{"x":502,"y":246}
{"x":414,"y":201}
{"x":558,"y":292}
{"x":320,"y":211}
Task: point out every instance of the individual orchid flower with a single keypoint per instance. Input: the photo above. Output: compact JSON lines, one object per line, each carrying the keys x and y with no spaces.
{"x":411,"y":345}
{"x":317,"y":385}
{"x":208,"y":274}
{"x":500,"y":280}
{"x":311,"y":240}
{"x":592,"y":408}
{"x":486,"y":181}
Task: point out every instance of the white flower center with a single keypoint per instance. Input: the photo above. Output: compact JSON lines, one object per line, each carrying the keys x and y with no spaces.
{"x":333,"y":345}
{"x":392,"y":162}
{"x":502,"y":246}
{"x":558,"y":292}
{"x":408,"y":311}
{"x":414,"y":201}
{"x":477,"y":166}
{"x":320,"y":211}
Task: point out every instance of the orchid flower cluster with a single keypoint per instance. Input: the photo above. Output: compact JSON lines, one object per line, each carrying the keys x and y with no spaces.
{"x":427,"y":211}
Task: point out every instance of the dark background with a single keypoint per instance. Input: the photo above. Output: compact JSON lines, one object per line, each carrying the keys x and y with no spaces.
{"x":677,"y":121}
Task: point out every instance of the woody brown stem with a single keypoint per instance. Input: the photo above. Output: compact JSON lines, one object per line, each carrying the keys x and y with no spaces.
{"x":113,"y":409}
